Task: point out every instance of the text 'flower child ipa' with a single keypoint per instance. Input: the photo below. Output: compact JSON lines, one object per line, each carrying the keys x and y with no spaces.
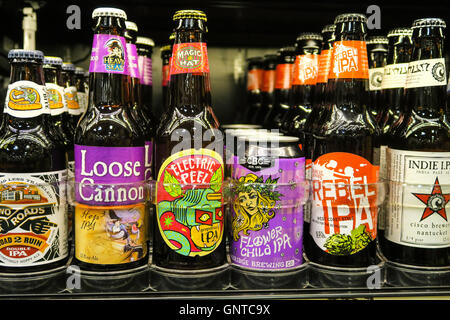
{"x":342,"y":227}
{"x":111,"y":227}
{"x":418,"y":159}
{"x":189,"y":226}
{"x":33,"y":207}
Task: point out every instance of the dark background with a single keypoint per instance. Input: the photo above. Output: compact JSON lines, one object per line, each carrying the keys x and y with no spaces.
{"x":237,"y":30}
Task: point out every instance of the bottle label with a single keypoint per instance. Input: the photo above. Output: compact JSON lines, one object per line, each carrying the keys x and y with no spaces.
{"x":344,"y":203}
{"x":189,"y":58}
{"x":419,"y":193}
{"x":165,"y":75}
{"x":109,"y":54}
{"x":145,"y":71}
{"x":324,"y":66}
{"x":71,"y":96}
{"x":268,"y":83}
{"x":349,"y":60}
{"x":82,"y":98}
{"x":132,"y":58}
{"x":306,"y":69}
{"x":426,"y":73}
{"x":110,"y":212}
{"x":254,"y":79}
{"x":375,"y":78}
{"x":267,"y":213}
{"x":56,"y":99}
{"x":283,"y":76}
{"x":33,"y":218}
{"x":26,"y":99}
{"x":189,"y":202}
{"x":395,"y":76}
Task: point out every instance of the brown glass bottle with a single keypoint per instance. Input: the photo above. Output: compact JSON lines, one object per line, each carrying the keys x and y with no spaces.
{"x":267,"y":89}
{"x":418,"y":155}
{"x":343,"y":158}
{"x":180,"y":225}
{"x":377,"y":50}
{"x":304,"y":80}
{"x":166,"y":53}
{"x":144,"y":48}
{"x":283,"y":85}
{"x":32,"y":173}
{"x":82,"y":94}
{"x":108,"y":136}
{"x":70,"y":90}
{"x":255,"y":69}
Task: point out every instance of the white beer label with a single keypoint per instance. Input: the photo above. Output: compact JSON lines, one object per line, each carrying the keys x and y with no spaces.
{"x":72,"y":100}
{"x":426,"y":73}
{"x":56,"y":99}
{"x":26,"y":99}
{"x":82,"y":101}
{"x":33,"y":218}
{"x":395,"y":76}
{"x":419,"y":184}
{"x":375,"y":78}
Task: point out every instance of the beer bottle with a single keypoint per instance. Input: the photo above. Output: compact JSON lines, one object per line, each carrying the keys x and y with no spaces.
{"x":33,"y":221}
{"x":111,"y":223}
{"x":144,"y":48}
{"x":255,"y":67}
{"x":342,"y":227}
{"x":81,"y":89}
{"x":268,"y":85}
{"x":377,"y":50}
{"x":70,"y":92}
{"x":166,"y":53}
{"x":189,"y":225}
{"x":283,"y":84}
{"x":418,"y":159}
{"x":304,"y":80}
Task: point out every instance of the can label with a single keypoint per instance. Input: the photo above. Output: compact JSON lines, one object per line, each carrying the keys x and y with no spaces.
{"x":189,"y":58}
{"x":419,"y":185}
{"x":267,"y":213}
{"x":33,"y":218}
{"x":375,"y":78}
{"x":56,"y":99}
{"x":145,"y":71}
{"x":306,"y":69}
{"x":71,"y":96}
{"x":344,"y":203}
{"x":110,"y":211}
{"x":395,"y":76}
{"x":283,"y":76}
{"x":268,"y":83}
{"x":26,"y":99}
{"x":254,"y":79}
{"x":109,"y":54}
{"x":132,"y":58}
{"x":426,"y":73}
{"x":349,"y":60}
{"x":324,"y":66}
{"x":189,"y":202}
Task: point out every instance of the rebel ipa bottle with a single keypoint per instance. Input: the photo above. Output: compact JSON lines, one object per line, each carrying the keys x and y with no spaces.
{"x":189,"y":226}
{"x":110,"y":215}
{"x":33,"y":215}
{"x":418,"y":156}
{"x":304,"y":79}
{"x":342,"y":227}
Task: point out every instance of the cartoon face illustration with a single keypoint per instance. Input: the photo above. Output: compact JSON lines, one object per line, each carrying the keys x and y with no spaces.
{"x":254,"y":204}
{"x":115,"y":49}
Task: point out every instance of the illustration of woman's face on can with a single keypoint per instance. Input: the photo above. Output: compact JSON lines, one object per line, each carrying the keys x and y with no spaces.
{"x":249,"y":201}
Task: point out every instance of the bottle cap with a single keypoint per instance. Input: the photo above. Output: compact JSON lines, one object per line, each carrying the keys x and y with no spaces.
{"x":109,"y":12}
{"x":377,"y":40}
{"x":130,"y":25}
{"x":26,"y":54}
{"x":53,"y":61}
{"x":189,"y":14}
{"x":165,"y":48}
{"x":350,"y":17}
{"x":429,"y":22}
{"x":400,"y":32}
{"x":329,"y":28}
{"x":310,"y":36}
{"x":67,"y":66}
{"x":145,"y":41}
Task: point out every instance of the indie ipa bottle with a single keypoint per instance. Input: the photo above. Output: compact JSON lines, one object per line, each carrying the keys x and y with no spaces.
{"x":111,"y":224}
{"x":417,"y":222}
{"x":189,"y":226}
{"x":33,"y":216}
{"x":342,"y":227}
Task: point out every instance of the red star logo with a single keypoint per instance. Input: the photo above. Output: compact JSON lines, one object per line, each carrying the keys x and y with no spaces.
{"x":436,"y":201}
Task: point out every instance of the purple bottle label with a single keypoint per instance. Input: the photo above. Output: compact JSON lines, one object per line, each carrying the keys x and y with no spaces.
{"x":132,"y":60}
{"x":148,"y":159}
{"x":109,"y":54}
{"x":145,"y":70}
{"x":109,"y":176}
{"x":267,"y":215}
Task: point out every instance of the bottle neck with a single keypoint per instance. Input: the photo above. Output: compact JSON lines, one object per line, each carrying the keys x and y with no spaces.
{"x":52,"y":76}
{"x":377,"y":57}
{"x":400,"y":48}
{"x":27,"y":71}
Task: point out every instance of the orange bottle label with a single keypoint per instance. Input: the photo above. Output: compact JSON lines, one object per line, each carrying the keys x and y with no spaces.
{"x":268,"y":82}
{"x":189,"y":58}
{"x":324,"y":66}
{"x":283,"y":76}
{"x":254,"y":79}
{"x":349,"y":60}
{"x":306,"y":69}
